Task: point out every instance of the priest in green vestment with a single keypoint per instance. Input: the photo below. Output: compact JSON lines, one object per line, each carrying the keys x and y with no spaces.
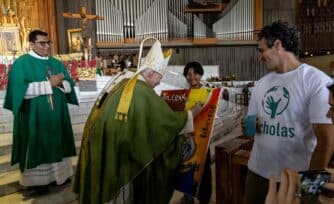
{"x":39,"y":89}
{"x":131,"y":145}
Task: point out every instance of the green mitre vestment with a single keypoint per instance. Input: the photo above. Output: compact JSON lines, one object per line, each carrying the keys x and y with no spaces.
{"x":145,"y":150}
{"x":41,"y":134}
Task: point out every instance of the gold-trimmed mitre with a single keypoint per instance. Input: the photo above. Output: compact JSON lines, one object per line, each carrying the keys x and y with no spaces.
{"x":155,"y":60}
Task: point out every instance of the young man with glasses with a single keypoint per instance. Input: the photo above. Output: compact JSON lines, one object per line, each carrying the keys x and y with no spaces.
{"x":290,"y":103}
{"x":39,"y":89}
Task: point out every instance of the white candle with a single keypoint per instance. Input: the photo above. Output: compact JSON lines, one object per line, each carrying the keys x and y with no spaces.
{"x":86,"y":53}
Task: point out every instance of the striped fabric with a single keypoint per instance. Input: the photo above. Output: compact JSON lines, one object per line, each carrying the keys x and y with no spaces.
{"x":46,"y":173}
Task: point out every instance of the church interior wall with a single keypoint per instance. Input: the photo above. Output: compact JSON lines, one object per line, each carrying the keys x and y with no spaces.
{"x":240,"y":61}
{"x":29,"y":15}
{"x":324,"y":63}
{"x":284,"y":10}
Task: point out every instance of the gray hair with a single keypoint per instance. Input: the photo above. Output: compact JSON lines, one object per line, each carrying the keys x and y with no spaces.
{"x":146,"y":71}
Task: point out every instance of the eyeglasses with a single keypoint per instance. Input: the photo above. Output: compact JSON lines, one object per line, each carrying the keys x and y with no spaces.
{"x":44,"y":43}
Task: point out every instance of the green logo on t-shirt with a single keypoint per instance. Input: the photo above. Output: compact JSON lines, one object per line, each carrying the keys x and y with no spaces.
{"x":275,"y":101}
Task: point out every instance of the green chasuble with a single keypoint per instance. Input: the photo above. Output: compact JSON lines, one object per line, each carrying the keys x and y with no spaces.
{"x":144,"y":151}
{"x":41,"y":134}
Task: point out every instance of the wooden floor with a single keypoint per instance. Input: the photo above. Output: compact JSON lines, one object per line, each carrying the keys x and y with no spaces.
{"x":9,"y":175}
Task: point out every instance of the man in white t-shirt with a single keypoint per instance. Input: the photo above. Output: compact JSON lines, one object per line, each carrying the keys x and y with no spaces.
{"x":291,"y":105}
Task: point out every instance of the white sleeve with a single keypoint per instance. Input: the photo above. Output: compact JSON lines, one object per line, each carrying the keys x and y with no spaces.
{"x":37,"y":89}
{"x":189,"y":126}
{"x":314,"y":87}
{"x":66,"y":87}
{"x":319,"y":106}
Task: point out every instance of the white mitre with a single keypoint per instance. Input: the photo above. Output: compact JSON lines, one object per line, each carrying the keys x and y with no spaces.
{"x":156,"y":59}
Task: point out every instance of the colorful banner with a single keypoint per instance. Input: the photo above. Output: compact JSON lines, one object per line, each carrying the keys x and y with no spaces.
{"x":196,"y":144}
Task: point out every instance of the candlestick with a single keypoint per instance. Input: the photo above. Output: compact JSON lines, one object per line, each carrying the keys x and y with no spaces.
{"x":86,"y":54}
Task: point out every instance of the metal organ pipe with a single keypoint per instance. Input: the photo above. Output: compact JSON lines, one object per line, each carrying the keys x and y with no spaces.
{"x":133,"y":19}
{"x":111,"y":29}
{"x":153,"y":20}
{"x":237,"y":24}
{"x":165,"y":19}
{"x":178,"y":22}
{"x":98,"y":23}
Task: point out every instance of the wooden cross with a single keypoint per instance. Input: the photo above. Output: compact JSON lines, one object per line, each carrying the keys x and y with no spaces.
{"x":84,"y":18}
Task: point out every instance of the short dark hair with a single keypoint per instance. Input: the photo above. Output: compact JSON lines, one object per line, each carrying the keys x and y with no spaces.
{"x":288,"y":35}
{"x":33,"y":35}
{"x":198,"y":69}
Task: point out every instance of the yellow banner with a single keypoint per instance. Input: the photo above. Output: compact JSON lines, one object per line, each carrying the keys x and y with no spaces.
{"x":197,"y":143}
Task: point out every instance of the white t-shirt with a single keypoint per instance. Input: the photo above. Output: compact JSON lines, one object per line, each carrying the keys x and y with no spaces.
{"x":287,"y":105}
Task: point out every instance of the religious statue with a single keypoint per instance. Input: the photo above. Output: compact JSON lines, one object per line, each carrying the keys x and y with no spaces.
{"x":4,"y":13}
{"x":8,"y":12}
{"x":84,"y":17}
{"x":23,"y":33}
{"x":12,"y":16}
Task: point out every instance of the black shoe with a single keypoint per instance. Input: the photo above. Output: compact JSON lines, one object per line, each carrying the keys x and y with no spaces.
{"x":41,"y":190}
{"x":26,"y":191}
{"x":69,"y":180}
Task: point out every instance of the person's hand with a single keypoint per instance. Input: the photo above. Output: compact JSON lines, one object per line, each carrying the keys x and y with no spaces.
{"x":290,"y":184}
{"x":196,"y":109}
{"x":57,"y":79}
{"x":329,"y":186}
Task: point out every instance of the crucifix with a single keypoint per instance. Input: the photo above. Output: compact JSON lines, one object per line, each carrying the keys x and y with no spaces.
{"x":84,"y":17}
